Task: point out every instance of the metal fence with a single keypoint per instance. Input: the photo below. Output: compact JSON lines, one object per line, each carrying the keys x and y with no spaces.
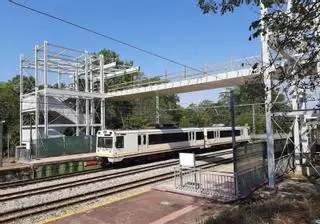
{"x":220,"y":186}
{"x":67,"y":145}
{"x":251,"y":179}
{"x":284,"y":164}
{"x":251,"y":172}
{"x":252,"y":167}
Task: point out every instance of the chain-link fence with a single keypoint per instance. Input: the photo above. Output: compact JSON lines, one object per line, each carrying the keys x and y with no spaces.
{"x":67,"y":145}
{"x":252,"y":165}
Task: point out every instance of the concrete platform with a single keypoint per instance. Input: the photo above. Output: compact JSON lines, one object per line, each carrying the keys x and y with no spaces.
{"x":59,"y":159}
{"x":48,"y":167}
{"x":10,"y":164}
{"x":155,"y":207}
{"x":12,"y":171}
{"x":222,"y":195}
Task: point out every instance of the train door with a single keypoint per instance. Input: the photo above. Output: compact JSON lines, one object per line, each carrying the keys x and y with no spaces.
{"x":142,"y":142}
{"x":192,"y":138}
{"x":217,"y":135}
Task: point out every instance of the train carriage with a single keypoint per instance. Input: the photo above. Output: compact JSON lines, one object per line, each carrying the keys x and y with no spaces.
{"x":114,"y":146}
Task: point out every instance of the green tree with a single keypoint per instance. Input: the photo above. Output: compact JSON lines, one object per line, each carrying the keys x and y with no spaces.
{"x":293,"y":35}
{"x":194,"y":116}
{"x":138,"y":113}
{"x":9,"y":111}
{"x":253,"y":93}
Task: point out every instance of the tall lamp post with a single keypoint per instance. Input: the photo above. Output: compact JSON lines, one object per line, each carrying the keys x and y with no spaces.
{"x":1,"y":145}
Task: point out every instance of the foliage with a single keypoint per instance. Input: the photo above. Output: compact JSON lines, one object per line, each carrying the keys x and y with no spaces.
{"x":294,"y":36}
{"x":28,"y":84}
{"x":208,"y":113}
{"x":10,"y":107}
{"x":141,"y":112}
{"x":295,"y":201}
{"x":138,"y":113}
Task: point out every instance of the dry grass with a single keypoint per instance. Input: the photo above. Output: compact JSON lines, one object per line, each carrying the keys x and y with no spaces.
{"x":294,"y":202}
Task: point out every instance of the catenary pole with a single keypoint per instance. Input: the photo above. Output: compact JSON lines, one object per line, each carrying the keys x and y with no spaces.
{"x":268,"y":100}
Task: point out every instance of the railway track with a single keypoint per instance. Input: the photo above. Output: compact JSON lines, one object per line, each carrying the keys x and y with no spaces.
{"x":59,"y":203}
{"x":48,"y":179}
{"x":45,"y":179}
{"x":50,"y":188}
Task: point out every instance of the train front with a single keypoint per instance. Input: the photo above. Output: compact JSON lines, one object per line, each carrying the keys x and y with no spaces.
{"x":105,"y":144}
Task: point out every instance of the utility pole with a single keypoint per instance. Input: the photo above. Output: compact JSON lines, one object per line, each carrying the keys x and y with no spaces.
{"x":253,"y":120}
{"x":233,"y":132}
{"x":30,"y":137}
{"x":157,"y":111}
{"x":1,"y":145}
{"x":8,"y":144}
{"x":268,"y":100}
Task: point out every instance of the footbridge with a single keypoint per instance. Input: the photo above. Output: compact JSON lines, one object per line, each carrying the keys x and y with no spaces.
{"x":71,"y":87}
{"x":232,"y":73}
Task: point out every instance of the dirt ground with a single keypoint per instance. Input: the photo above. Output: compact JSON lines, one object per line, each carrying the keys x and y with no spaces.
{"x":295,"y":200}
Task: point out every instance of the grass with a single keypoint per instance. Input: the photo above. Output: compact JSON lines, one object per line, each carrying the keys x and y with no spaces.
{"x":291,"y":204}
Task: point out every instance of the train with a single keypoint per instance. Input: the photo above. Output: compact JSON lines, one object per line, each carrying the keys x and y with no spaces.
{"x":116,"y":145}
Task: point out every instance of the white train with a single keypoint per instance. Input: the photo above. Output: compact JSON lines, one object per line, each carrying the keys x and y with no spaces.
{"x":114,"y":146}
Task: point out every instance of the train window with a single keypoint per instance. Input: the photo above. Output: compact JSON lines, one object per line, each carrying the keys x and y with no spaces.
{"x":179,"y":137}
{"x":104,"y":142}
{"x":210,"y":134}
{"x":155,"y":139}
{"x":199,"y":135}
{"x":224,"y":134}
{"x":119,"y":142}
{"x":139,"y":140}
{"x":167,"y":138}
{"x":144,"y":140}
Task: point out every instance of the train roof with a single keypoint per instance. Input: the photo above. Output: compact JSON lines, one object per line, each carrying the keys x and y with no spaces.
{"x":170,"y":130}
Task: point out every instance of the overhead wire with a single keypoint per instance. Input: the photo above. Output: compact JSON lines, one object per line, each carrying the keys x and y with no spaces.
{"x":102,"y":35}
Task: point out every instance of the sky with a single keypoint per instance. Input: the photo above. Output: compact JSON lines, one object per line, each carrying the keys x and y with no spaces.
{"x":176,"y":29}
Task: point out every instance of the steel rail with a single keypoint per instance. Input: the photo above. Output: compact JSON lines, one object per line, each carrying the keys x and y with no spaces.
{"x":59,"y":203}
{"x":75,"y":183}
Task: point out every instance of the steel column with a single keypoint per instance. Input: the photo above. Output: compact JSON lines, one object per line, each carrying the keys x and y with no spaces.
{"x":59,"y":78}
{"x":157,"y":110}
{"x":87,"y":90}
{"x":45,"y":68}
{"x":1,"y":143}
{"x":92,"y":111}
{"x":253,"y":120}
{"x":233,"y":130}
{"x":21,"y":98}
{"x":36,"y":92}
{"x":103,"y":109}
{"x":268,"y":101}
{"x":77,"y":99}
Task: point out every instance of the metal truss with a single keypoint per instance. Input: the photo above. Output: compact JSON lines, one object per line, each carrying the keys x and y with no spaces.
{"x":68,"y":90}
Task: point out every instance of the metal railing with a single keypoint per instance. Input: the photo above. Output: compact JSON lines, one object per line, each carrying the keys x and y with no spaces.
{"x":220,"y":186}
{"x":231,"y":65}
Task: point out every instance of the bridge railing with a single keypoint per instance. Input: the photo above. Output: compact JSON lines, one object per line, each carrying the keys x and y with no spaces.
{"x":188,"y":73}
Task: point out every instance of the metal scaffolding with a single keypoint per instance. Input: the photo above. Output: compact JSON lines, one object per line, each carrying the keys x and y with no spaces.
{"x":301,"y":115}
{"x":67,"y":91}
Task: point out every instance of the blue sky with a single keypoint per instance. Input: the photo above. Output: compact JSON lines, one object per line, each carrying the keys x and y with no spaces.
{"x":173,"y":28}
